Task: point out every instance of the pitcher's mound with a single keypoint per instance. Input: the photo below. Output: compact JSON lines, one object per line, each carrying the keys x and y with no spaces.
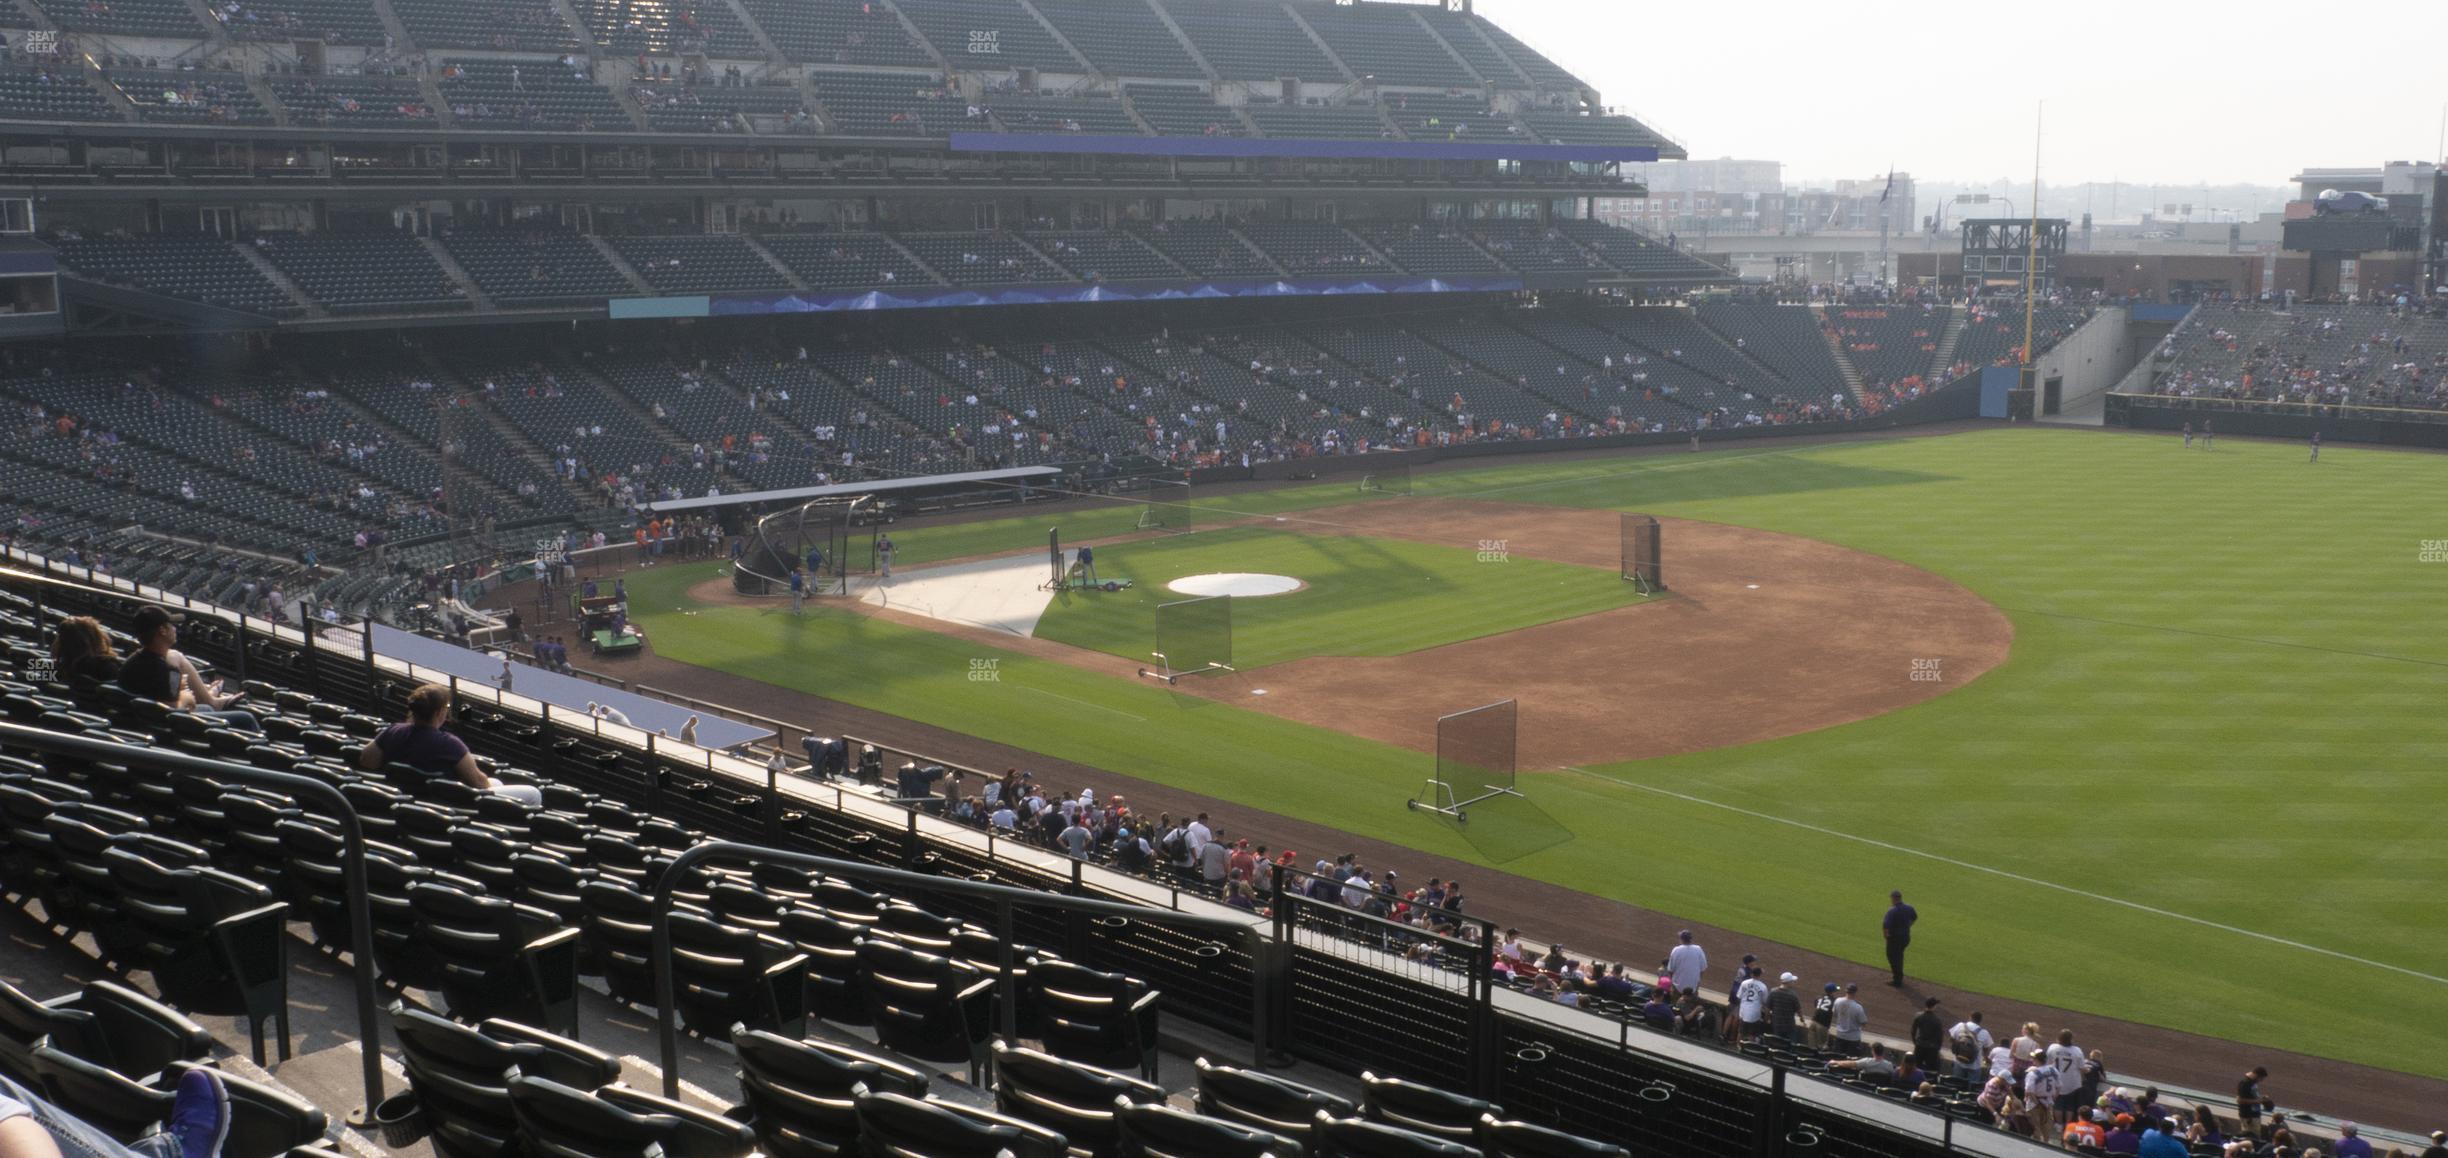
{"x":1238,"y":584}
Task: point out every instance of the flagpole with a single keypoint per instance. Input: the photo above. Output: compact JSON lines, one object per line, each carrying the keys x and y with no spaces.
{"x":2031,"y":252}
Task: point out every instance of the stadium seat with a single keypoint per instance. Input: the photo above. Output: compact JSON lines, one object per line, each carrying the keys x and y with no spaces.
{"x":104,"y":1023}
{"x":1104,"y":1019}
{"x":123,"y":1107}
{"x":1074,"y":1100}
{"x":1333,"y":1137}
{"x":457,"y":1073}
{"x":1425,"y":1109}
{"x":616,"y":1122}
{"x":724,"y":976}
{"x":263,"y":1121}
{"x":926,"y":1006}
{"x":1160,"y":1131}
{"x":213,"y":941}
{"x":498,"y":958}
{"x":1265,"y":1102}
{"x":803,"y":1095}
{"x":899,"y":1126}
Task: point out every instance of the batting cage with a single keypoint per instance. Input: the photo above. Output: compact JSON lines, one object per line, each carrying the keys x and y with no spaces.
{"x":1166,"y":506}
{"x":1474,"y":759}
{"x":816,"y":537}
{"x":1640,"y":553}
{"x":1193,"y":637}
{"x":1393,"y":480}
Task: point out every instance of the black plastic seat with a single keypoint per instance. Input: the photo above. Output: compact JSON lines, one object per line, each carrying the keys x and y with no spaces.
{"x":112,"y":1102}
{"x":724,"y":975}
{"x":263,"y":1120}
{"x":619,"y":937}
{"x":1267,"y":1103}
{"x":1412,"y":1106}
{"x":215,"y":943}
{"x":1523,"y":1140}
{"x":562,"y":1121}
{"x":836,"y":982}
{"x":1160,"y":1131}
{"x":804,"y":1094}
{"x":499,"y":958}
{"x":457,"y":1073}
{"x":927,"y":1006}
{"x":1104,"y":1019}
{"x":106,"y":1023}
{"x":896,"y":1126}
{"x":1332,"y":1137}
{"x":1071,"y":1099}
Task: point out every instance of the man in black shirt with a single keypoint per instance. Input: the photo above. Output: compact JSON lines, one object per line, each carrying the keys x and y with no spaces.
{"x":159,"y":673}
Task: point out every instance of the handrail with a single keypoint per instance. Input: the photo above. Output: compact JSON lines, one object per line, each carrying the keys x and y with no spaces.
{"x":1005,"y":898}
{"x":353,"y":862}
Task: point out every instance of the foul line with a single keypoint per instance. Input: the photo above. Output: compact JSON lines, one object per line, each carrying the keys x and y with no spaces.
{"x":2020,"y":878}
{"x":1083,"y":703}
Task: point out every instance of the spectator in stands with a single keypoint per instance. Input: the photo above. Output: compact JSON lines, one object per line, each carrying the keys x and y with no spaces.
{"x":1969,"y":1044}
{"x":420,"y":743}
{"x":1658,"y":1012}
{"x":2040,"y":1093}
{"x":2086,"y":1131}
{"x":2251,"y":1102}
{"x":159,"y":672}
{"x":1928,"y":1034}
{"x":1845,"y":1031}
{"x":2067,"y":1059}
{"x":81,"y":653}
{"x":2162,"y":1141}
{"x":1686,"y":962}
{"x":1751,"y":1003}
{"x":1877,"y":1067}
{"x":1823,"y":1015}
{"x":1784,"y":1006}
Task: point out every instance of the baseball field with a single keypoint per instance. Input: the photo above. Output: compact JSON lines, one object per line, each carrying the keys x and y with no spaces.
{"x":2148,"y":732}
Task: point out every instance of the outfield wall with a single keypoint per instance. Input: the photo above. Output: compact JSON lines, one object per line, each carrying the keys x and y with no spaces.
{"x":2278,"y":420}
{"x":1952,"y":402}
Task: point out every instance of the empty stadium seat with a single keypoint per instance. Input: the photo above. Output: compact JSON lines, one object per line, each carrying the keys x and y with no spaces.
{"x":804,"y":1094}
{"x":613,"y":1121}
{"x":897,"y":1125}
{"x":458,"y":1074}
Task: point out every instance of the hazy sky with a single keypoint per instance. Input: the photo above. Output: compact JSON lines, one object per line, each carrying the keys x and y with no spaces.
{"x":2135,"y":89}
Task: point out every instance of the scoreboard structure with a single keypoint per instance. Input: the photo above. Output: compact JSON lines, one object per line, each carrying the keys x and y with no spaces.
{"x":1997,"y":250}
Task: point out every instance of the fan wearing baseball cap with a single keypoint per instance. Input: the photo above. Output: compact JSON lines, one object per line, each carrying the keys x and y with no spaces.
{"x":158,"y":672}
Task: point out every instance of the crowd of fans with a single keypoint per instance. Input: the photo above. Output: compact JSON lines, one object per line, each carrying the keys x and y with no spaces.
{"x":2379,"y":355}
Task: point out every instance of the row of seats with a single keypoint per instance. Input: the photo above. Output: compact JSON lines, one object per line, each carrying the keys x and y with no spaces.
{"x":1236,"y":39}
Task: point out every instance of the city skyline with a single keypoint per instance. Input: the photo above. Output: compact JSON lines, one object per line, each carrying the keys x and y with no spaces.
{"x":2133,"y":92}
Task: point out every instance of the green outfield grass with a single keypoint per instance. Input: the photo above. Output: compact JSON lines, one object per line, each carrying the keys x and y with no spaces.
{"x":1366,"y":596}
{"x":2202,"y":792}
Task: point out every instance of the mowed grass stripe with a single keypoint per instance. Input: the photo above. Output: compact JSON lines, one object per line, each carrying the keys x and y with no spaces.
{"x":2146,"y":740}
